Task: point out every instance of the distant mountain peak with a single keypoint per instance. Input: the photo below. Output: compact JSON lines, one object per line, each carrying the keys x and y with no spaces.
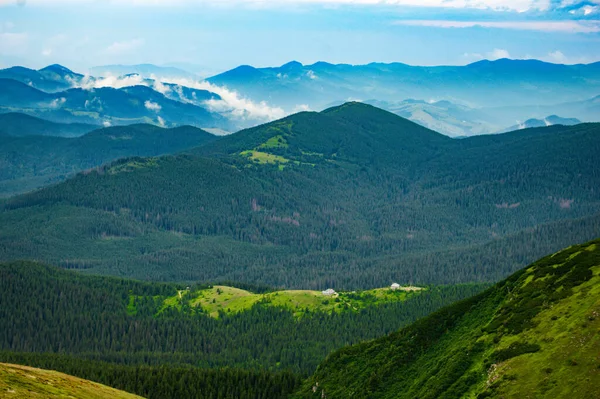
{"x":352,"y":106}
{"x":243,"y":68}
{"x":56,"y":68}
{"x":291,"y":65}
{"x":18,"y":68}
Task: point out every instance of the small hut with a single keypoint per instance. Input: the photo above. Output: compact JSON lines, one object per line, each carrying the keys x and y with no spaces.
{"x":395,"y":286}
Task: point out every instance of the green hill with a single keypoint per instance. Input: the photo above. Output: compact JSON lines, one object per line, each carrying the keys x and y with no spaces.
{"x":28,"y":382}
{"x":18,"y":125}
{"x":534,"y":334}
{"x":350,"y":198}
{"x":30,"y":162}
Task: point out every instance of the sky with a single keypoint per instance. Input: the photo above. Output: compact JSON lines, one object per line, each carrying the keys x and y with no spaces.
{"x":210,"y":36}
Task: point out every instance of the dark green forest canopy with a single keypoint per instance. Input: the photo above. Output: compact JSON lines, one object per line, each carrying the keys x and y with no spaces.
{"x":29,"y":161}
{"x":531,"y":335}
{"x":352,"y":197}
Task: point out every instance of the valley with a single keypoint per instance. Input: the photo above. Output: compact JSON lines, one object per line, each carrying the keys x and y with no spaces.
{"x":186,"y":213}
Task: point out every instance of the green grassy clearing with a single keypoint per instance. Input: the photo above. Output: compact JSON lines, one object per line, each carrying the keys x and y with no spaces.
{"x":274,"y":142}
{"x":230,"y":300}
{"x":263,"y":157}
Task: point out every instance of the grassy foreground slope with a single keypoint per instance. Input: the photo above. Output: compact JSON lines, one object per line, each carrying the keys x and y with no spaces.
{"x":534,"y":334}
{"x":21,"y":382}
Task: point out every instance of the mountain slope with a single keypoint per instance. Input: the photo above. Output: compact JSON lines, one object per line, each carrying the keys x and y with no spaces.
{"x":532,"y":335}
{"x":353,"y":132}
{"x":15,"y":94}
{"x":34,"y":161}
{"x":445,"y":117}
{"x":18,"y":125}
{"x":28,"y":382}
{"x":137,"y":104}
{"x":353,"y":197}
{"x":50,"y":79}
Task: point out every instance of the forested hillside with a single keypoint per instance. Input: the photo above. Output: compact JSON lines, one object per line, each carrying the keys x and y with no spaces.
{"x":18,"y":125}
{"x":33,"y":161}
{"x":49,"y":310}
{"x":353,"y":197}
{"x":534,"y":334}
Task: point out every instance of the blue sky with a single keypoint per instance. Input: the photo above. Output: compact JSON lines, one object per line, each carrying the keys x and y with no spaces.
{"x":214,"y":35}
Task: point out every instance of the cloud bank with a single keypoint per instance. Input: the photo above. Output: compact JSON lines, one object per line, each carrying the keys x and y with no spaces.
{"x":499,"y":5}
{"x":232,"y":104}
{"x":152,"y":106}
{"x":567,"y":26}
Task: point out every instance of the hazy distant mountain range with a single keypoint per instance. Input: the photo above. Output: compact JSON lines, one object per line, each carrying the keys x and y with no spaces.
{"x":480,"y":98}
{"x":549,"y":121}
{"x":512,"y":82}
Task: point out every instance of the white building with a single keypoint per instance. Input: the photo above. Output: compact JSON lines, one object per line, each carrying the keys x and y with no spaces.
{"x":395,"y":286}
{"x":328,"y":292}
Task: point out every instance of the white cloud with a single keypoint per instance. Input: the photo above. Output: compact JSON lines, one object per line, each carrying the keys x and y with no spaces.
{"x":495,"y":54}
{"x":557,"y":56}
{"x":511,"y":5}
{"x":106,"y":123}
{"x":311,"y":74}
{"x":587,"y":10}
{"x":498,"y":53}
{"x":301,"y":108}
{"x":152,"y":106}
{"x":232,"y":103}
{"x":47,"y":52}
{"x":118,"y":48}
{"x":571,"y":26}
{"x":159,"y":86}
{"x":161,"y":121}
{"x":57,"y":103}
{"x":116,"y":82}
